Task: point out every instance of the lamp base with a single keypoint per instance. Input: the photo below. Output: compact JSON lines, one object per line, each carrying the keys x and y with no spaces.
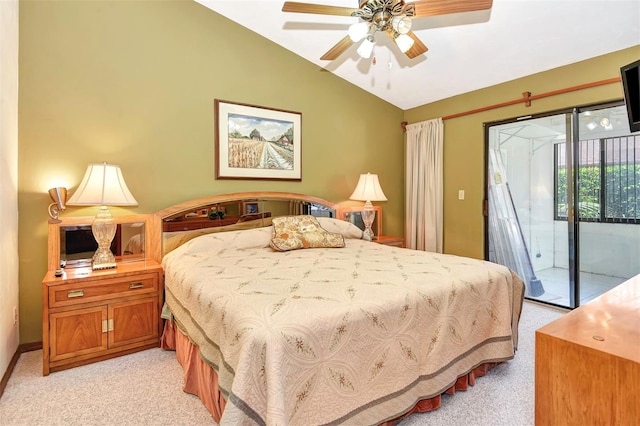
{"x":368,"y":216}
{"x":104,"y":229}
{"x":103,"y":265}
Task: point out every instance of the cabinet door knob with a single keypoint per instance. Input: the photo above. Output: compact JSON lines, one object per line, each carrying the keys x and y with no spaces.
{"x":75,"y":293}
{"x":107,"y":325}
{"x":133,"y":286}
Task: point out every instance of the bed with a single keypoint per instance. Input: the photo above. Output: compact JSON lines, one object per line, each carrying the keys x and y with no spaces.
{"x":335,"y":330}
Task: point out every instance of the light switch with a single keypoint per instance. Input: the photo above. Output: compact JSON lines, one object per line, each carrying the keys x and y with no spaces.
{"x":461,"y":194}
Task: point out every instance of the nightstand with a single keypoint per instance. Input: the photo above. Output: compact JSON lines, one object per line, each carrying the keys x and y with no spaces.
{"x":89,"y":316}
{"x":390,"y":241}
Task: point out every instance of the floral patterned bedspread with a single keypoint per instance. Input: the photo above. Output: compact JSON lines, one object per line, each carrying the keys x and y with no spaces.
{"x":351,"y":335}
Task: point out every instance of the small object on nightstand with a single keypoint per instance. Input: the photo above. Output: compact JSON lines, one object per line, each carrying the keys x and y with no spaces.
{"x":390,"y":241}
{"x":58,"y":273}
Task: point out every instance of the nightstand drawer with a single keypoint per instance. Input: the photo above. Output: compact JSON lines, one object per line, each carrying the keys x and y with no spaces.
{"x":95,"y":290}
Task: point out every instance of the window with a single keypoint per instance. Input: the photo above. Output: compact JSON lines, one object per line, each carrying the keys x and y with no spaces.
{"x":608,"y":180}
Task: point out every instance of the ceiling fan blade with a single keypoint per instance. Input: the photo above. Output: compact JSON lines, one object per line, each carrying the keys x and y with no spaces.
{"x":338,"y":49}
{"x":297,"y":7}
{"x":444,"y":7}
{"x":418,"y":47}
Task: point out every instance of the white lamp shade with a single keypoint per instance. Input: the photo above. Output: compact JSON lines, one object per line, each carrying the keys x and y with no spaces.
{"x":102,"y":185}
{"x":401,"y":24}
{"x":404,"y":42}
{"x":368,"y":189}
{"x":358,"y":31}
{"x":365,"y":48}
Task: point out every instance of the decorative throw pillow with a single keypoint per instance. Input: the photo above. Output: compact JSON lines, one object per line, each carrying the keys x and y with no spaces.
{"x":304,"y":231}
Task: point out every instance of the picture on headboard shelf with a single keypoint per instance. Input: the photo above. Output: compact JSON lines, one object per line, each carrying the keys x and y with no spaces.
{"x":253,"y":142}
{"x":251,"y":207}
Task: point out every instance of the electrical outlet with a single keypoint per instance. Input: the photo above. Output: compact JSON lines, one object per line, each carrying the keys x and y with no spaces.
{"x":461,"y":194}
{"x":15,"y":314}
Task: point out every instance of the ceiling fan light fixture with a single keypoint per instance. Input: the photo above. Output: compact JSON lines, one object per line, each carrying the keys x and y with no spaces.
{"x":606,"y":123}
{"x":404,"y":42}
{"x":358,"y":31}
{"x":366,"y":47}
{"x":401,"y":24}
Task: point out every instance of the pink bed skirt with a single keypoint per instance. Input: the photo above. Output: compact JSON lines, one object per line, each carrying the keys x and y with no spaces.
{"x":201,"y":380}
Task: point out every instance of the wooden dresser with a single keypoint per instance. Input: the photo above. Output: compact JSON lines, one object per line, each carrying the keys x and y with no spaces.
{"x":90,"y":315}
{"x":588,"y":362}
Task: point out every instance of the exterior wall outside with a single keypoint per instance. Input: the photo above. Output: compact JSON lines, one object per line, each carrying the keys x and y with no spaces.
{"x":9,"y":337}
{"x":531,"y":181}
{"x":134,"y":83}
{"x":464,"y":136}
{"x":618,"y":240}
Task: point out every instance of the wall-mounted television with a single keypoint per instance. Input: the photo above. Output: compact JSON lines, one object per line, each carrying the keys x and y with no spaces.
{"x":630,"y":75}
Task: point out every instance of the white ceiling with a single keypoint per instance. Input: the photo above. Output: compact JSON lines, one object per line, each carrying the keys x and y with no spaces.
{"x":467,"y":51}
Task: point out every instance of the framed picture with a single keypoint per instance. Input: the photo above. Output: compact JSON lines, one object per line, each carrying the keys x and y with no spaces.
{"x":250,"y":208}
{"x":255,"y":142}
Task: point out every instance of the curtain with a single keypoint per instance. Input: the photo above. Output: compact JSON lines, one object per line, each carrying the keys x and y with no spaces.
{"x":424,"y":183}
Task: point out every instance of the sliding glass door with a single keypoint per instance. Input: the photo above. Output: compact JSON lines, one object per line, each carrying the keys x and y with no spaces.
{"x":563,"y":206}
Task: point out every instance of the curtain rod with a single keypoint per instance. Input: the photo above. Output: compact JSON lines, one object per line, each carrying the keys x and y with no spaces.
{"x":526,"y":99}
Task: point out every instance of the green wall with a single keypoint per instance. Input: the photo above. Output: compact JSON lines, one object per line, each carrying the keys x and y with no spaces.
{"x":464,"y":136}
{"x":133,"y":83}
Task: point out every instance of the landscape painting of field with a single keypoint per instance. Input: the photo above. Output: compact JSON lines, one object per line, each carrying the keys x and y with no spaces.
{"x":259,"y":143}
{"x":256,"y":142}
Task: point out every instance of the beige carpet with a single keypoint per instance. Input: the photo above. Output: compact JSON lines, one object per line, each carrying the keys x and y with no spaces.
{"x":145,"y":389}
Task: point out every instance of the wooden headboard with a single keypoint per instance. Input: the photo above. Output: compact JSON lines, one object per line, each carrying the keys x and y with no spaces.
{"x":228,"y":209}
{"x":205,"y":212}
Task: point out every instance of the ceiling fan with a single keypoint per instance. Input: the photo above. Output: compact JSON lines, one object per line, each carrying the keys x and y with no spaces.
{"x":393,"y":17}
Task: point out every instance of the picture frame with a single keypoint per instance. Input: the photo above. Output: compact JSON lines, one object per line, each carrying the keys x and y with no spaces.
{"x":250,"y":208}
{"x":254,"y":142}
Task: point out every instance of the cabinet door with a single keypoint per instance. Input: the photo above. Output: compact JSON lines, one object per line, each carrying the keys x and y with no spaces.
{"x":77,"y":332}
{"x":133,"y":321}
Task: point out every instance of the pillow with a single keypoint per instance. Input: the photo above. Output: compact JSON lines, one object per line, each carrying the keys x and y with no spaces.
{"x":347,"y":229}
{"x":173,"y":240}
{"x":304,"y":231}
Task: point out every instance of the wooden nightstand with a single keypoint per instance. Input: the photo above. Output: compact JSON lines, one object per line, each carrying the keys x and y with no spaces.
{"x":390,"y":241}
{"x":89,"y":316}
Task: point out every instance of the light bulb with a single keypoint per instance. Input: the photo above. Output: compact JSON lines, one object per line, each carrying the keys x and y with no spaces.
{"x":358,"y":31}
{"x":366,"y":47}
{"x":404,"y":42}
{"x":401,"y":23}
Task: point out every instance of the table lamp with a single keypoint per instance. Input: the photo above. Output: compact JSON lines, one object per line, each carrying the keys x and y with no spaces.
{"x":103,"y":185}
{"x":368,"y":190}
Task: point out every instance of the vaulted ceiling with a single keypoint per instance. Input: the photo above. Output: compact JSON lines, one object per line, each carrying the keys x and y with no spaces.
{"x":467,"y":51}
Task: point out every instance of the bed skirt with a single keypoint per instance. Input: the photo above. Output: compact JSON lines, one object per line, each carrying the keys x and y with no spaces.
{"x":201,"y":380}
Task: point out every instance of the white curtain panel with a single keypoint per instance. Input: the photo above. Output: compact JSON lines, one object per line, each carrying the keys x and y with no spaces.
{"x":424,"y":183}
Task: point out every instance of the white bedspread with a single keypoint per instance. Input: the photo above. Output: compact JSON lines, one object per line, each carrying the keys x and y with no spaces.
{"x":351,"y":335}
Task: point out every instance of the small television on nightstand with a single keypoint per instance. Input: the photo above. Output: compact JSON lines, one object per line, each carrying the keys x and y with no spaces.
{"x":630,"y":75}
